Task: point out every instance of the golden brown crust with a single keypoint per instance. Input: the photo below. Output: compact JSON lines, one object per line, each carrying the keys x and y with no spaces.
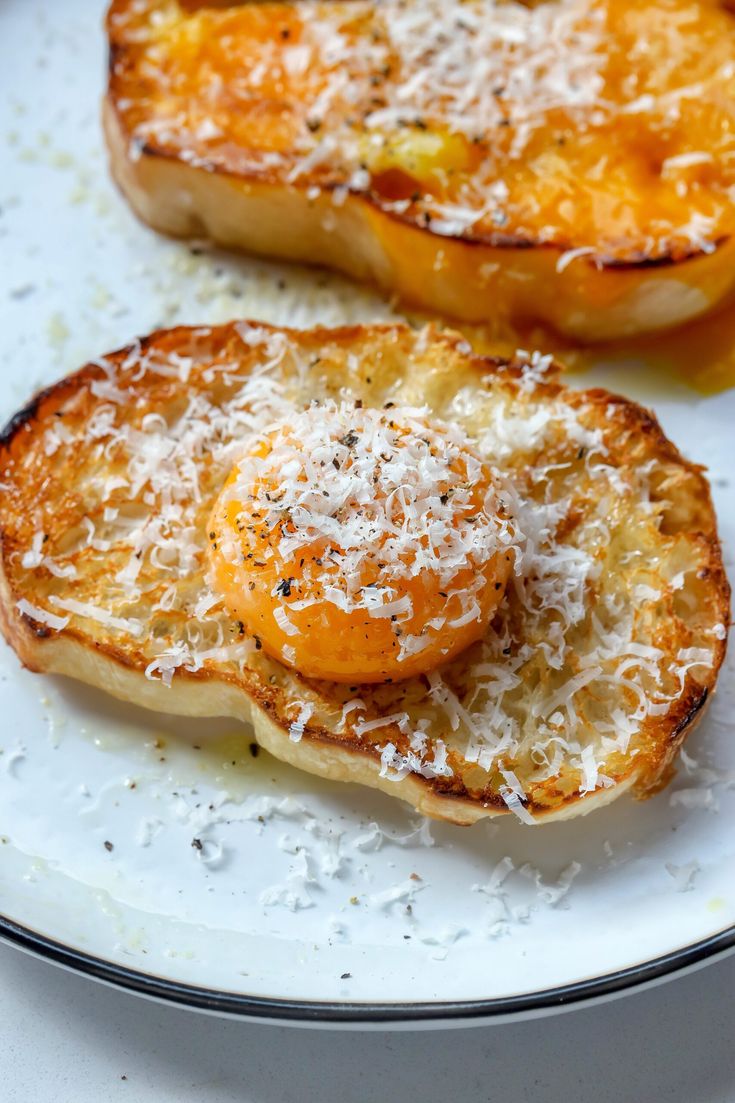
{"x":242,"y":199}
{"x":117,"y":661}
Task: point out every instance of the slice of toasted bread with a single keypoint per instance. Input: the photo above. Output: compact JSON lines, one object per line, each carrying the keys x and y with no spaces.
{"x":569,"y":162}
{"x":598,"y":663}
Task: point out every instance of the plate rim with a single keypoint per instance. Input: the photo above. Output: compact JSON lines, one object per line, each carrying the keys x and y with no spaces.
{"x":336,"y":1013}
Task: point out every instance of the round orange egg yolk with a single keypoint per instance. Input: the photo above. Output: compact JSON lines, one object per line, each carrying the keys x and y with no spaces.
{"x":361,"y":545}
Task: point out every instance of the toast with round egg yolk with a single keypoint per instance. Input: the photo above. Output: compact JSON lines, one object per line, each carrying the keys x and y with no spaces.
{"x":596,"y":663}
{"x":569,"y":162}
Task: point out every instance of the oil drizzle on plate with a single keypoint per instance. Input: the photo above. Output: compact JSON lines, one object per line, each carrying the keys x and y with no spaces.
{"x":700,"y":355}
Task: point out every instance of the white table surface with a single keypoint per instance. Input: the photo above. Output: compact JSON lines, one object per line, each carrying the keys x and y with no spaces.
{"x":66,"y":1039}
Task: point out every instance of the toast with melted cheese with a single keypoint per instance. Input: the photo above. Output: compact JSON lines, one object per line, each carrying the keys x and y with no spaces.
{"x":597,"y":663}
{"x":569,"y":162}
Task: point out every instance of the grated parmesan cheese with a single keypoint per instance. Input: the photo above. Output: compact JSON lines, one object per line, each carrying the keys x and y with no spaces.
{"x":568,"y":673}
{"x":41,"y":615}
{"x":477,"y":103}
{"x":296,"y":729}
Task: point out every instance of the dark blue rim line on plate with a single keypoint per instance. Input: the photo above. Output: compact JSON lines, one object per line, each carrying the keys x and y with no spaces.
{"x":336,"y":1012}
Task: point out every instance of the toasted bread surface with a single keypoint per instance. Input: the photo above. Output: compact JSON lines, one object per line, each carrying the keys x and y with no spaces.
{"x":596,"y":666}
{"x":467,"y":156}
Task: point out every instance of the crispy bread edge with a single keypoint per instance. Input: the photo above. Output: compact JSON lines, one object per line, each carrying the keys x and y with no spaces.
{"x":45,"y":650}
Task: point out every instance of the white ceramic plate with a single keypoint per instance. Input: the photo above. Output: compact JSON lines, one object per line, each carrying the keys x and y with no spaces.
{"x":307,"y":901}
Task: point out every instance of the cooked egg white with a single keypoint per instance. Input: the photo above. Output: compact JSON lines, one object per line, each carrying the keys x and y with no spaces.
{"x":361,"y":545}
